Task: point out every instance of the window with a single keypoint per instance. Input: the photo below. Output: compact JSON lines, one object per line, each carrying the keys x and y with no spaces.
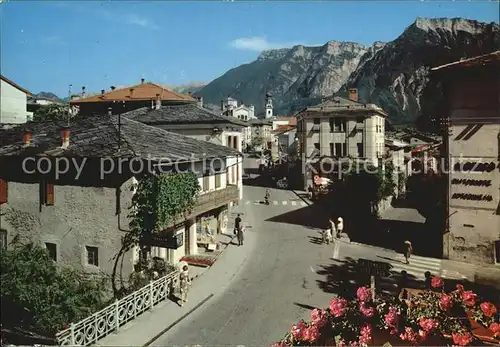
{"x":206,"y":181}
{"x":332,"y":125}
{"x":344,"y":149}
{"x":52,"y":250}
{"x":338,"y":149}
{"x":217,"y":180}
{"x":316,"y":121}
{"x":340,"y":125}
{"x":360,"y":120}
{"x":3,"y":239}
{"x":48,"y":194}
{"x":360,"y":150}
{"x":92,"y":255}
{"x":316,"y":145}
{"x":4,"y":191}
{"x":332,"y":150}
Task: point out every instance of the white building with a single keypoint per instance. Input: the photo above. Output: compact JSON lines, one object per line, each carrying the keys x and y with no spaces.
{"x":13,"y":103}
{"x":230,"y":108}
{"x":342,"y":128}
{"x":269,"y":106}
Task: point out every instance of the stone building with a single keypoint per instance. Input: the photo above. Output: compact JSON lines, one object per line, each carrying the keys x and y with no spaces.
{"x":471,"y":119}
{"x":341,"y":128}
{"x":81,"y":215}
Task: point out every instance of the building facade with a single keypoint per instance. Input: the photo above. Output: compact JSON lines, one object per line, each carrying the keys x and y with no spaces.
{"x":13,"y":103}
{"x":262,"y":133}
{"x":471,"y":151}
{"x":199,"y":123}
{"x":81,"y":215}
{"x":341,"y":128}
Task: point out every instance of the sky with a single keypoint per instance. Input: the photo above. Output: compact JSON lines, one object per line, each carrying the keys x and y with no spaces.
{"x":48,"y":45}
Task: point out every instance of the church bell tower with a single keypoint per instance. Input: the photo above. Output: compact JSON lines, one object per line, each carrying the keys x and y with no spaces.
{"x":269,"y":106}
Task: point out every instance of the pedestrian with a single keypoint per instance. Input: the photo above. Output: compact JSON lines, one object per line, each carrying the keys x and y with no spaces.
{"x":237,"y":224}
{"x":408,"y":251}
{"x":340,"y":226}
{"x":332,"y":226}
{"x":184,"y":283}
{"x":328,"y":236}
{"x":241,"y":230}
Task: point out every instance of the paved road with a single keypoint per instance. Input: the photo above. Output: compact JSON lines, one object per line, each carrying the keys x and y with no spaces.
{"x":265,"y":297}
{"x":286,"y":274}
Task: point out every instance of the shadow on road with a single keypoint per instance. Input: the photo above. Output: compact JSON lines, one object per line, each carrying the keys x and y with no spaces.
{"x":306,"y":216}
{"x":304,"y":306}
{"x":315,"y":240}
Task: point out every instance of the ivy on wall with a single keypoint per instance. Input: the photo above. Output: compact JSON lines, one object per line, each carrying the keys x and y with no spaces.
{"x":158,"y":201}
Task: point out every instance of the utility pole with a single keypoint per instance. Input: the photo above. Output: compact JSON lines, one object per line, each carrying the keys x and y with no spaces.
{"x":69,"y":104}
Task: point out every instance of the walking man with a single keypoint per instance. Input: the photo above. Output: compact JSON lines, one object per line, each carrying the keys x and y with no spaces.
{"x":237,"y":224}
{"x":241,"y":230}
{"x":408,"y":251}
{"x":340,"y":226}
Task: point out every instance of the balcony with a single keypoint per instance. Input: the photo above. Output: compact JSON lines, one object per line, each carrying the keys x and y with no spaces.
{"x":214,"y":199}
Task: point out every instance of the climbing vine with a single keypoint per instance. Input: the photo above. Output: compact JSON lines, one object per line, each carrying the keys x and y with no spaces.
{"x":401,"y":182}
{"x":387,"y":184}
{"x":160,"y":200}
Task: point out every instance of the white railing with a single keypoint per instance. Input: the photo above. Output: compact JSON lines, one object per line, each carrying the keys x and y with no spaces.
{"x":91,"y":329}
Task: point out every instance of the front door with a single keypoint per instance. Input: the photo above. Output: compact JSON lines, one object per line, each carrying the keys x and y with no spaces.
{"x":187,"y":238}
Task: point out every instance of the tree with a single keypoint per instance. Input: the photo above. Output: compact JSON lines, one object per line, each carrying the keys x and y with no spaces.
{"x":40,"y":296}
{"x":52,"y":112}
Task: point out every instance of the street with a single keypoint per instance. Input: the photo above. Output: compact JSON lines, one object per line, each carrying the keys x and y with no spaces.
{"x":287,"y":273}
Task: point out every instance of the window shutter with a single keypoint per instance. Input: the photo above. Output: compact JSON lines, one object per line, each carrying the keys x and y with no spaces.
{"x":4,"y":192}
{"x":49,"y":194}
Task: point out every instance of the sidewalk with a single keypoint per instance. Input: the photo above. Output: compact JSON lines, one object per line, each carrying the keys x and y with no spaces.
{"x":205,"y":290}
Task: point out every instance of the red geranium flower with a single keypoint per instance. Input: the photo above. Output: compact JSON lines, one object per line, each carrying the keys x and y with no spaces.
{"x":338,"y":307}
{"x":298,"y":330}
{"x":469,"y":298}
{"x":364,"y":294}
{"x":462,"y":339}
{"x":428,"y":324}
{"x":495,"y":328}
{"x":366,"y":311}
{"x":445,"y":303}
{"x":436,"y":282}
{"x":488,"y":309}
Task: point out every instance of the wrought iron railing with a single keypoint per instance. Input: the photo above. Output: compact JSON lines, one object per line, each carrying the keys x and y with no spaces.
{"x":91,"y":329}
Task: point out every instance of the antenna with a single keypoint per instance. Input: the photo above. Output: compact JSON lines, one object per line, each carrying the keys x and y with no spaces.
{"x":69,"y":102}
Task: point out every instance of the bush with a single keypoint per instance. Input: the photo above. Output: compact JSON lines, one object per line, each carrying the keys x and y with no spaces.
{"x":38,"y":295}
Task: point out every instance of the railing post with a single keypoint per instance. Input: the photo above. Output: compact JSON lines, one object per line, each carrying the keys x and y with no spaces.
{"x":151,"y":298}
{"x":134,"y":298}
{"x":166,"y":290}
{"x":117,"y":315}
{"x":72,"y":329}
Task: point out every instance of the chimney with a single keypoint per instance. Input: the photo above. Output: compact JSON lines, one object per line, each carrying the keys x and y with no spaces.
{"x":200,"y":101}
{"x":353,"y":94}
{"x":142,"y":80}
{"x":158,"y":102}
{"x":102,"y":91}
{"x":131,"y":92}
{"x":113,"y":87}
{"x":27,"y":137}
{"x":83,"y":91}
{"x":65,"y":137}
{"x":190,"y":94}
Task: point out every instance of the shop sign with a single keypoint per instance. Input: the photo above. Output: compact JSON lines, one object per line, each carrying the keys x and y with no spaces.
{"x":471,"y":182}
{"x":472,"y":197}
{"x":165,"y":240}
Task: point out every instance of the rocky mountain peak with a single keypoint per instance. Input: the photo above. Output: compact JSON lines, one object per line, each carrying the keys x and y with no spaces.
{"x":453,"y":25}
{"x":273,"y":54}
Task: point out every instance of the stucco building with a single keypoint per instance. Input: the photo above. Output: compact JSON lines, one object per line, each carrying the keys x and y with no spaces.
{"x":341,"y":128}
{"x":262,"y":132}
{"x":81,"y":216}
{"x":471,"y":119}
{"x":13,"y":103}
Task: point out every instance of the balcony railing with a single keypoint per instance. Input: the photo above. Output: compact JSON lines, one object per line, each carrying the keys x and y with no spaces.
{"x":214,"y":199}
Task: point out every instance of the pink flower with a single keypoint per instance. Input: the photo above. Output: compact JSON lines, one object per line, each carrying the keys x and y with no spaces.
{"x":460,"y":288}
{"x":298,"y":330}
{"x":495,"y":328}
{"x":445,"y":303}
{"x":391,"y":320}
{"x":436,"y":282}
{"x":409,"y":335}
{"x":364,"y":294}
{"x":338,"y":307}
{"x":428,"y":324}
{"x":342,"y":344}
{"x":366,"y":334}
{"x":366,"y":311}
{"x":311,"y":334}
{"x":354,"y":344}
{"x":488,"y":309}
{"x":469,"y":298}
{"x":318,"y":317}
{"x":462,"y":339}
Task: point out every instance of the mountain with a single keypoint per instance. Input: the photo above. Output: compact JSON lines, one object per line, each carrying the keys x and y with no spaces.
{"x":396,"y":76}
{"x":293,"y":76}
{"x":49,"y":95}
{"x":393,"y":75}
{"x":192,"y":87}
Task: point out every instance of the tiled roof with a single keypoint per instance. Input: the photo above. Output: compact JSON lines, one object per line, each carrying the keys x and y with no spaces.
{"x":181,"y":114}
{"x":283,"y":129}
{"x":260,"y":122}
{"x":15,"y":85}
{"x":100,"y":137}
{"x":143,"y":91}
{"x":486,"y":60}
{"x":290,"y":119}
